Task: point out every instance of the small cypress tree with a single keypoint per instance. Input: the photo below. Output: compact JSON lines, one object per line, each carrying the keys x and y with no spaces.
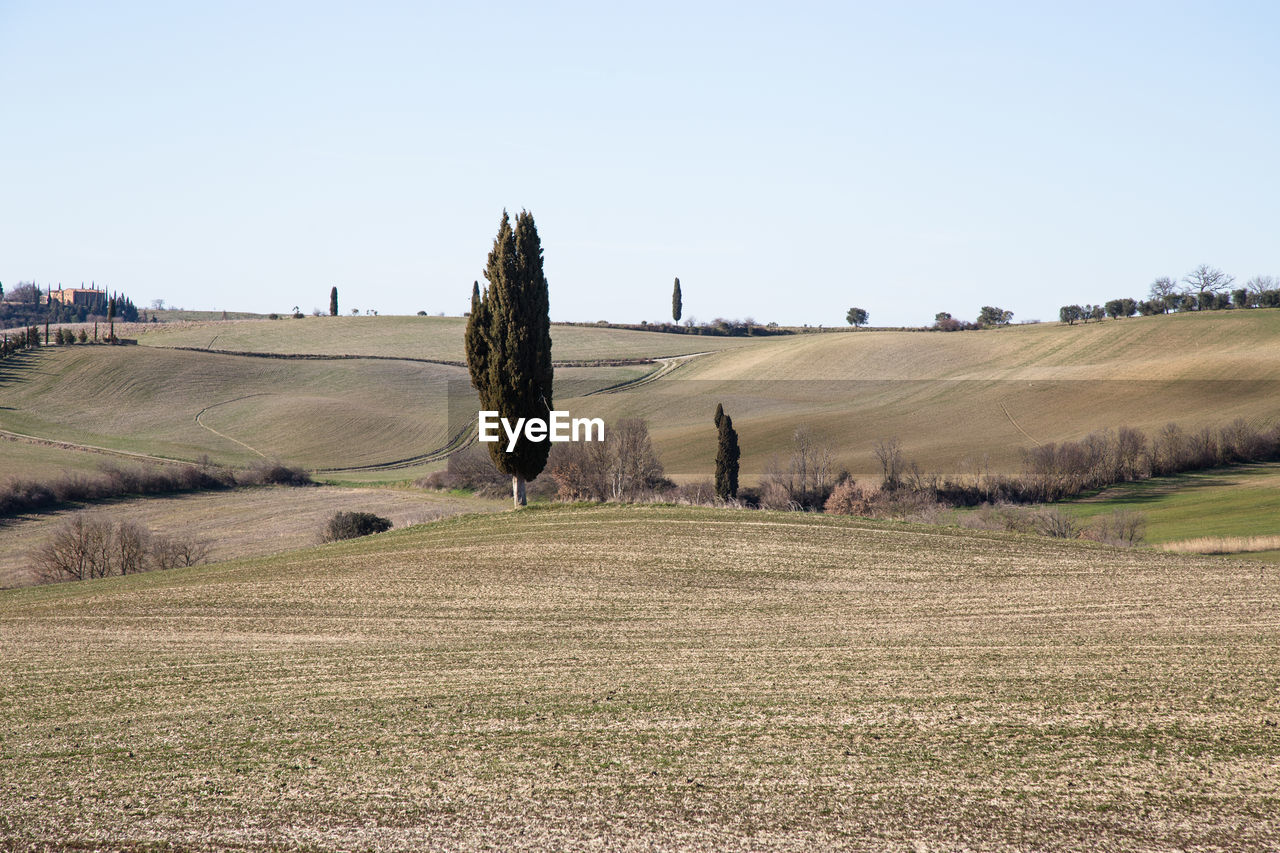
{"x":677,"y":306}
{"x":333,"y":301}
{"x":111,"y":318}
{"x":508,"y":344}
{"x":727,"y":455}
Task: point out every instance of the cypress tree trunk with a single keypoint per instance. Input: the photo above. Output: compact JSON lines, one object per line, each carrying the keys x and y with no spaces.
{"x":518,"y":491}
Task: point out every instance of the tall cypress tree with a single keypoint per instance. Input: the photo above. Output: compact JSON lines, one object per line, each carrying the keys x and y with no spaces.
{"x":727,"y":455}
{"x":677,"y":306}
{"x":508,"y":343}
{"x":333,"y":301}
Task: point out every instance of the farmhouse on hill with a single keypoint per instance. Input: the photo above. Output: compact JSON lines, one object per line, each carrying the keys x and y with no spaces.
{"x":90,"y":297}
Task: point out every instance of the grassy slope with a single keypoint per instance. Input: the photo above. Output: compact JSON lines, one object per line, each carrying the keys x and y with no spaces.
{"x":242,"y":523}
{"x":726,"y":680}
{"x":315,"y":414}
{"x":44,"y":462}
{"x":416,"y":337}
{"x":958,"y":402}
{"x":1229,"y":502}
{"x":305,"y":412}
{"x":963,"y":401}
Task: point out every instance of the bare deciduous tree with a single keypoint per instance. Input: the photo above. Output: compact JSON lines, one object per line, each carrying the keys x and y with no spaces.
{"x":889,"y":453}
{"x":89,"y":546}
{"x":1260,"y":283}
{"x":1207,"y":279}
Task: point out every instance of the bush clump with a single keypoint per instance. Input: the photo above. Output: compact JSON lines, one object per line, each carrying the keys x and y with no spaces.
{"x":353,"y":525}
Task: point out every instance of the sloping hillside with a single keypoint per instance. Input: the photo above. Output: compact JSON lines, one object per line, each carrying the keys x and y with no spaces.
{"x":965,"y":401}
{"x":649,"y":678}
{"x":437,"y":338}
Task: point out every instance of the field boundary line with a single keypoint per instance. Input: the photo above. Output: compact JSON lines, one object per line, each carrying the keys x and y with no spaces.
{"x":309,"y":356}
{"x":89,"y":448}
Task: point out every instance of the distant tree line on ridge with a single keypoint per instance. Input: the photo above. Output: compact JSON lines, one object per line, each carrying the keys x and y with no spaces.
{"x":1205,"y":288}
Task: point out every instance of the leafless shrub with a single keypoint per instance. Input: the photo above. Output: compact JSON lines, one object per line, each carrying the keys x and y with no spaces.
{"x":623,"y":467}
{"x":1121,"y":527}
{"x":807,"y":478}
{"x":849,"y":498}
{"x":176,"y":553}
{"x":889,"y":454}
{"x":1000,"y":516}
{"x":774,"y":494}
{"x":698,"y":493}
{"x":470,"y":469}
{"x":112,"y":481}
{"x":1056,"y":522}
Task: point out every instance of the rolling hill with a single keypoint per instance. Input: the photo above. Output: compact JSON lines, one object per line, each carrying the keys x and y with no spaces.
{"x":958,"y":403}
{"x":438,"y":338}
{"x":968,"y":401}
{"x":727,"y":679}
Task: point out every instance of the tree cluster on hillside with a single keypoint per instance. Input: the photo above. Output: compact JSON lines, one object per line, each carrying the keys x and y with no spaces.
{"x":88,"y":546}
{"x":28,"y":304}
{"x":1205,"y":288}
{"x":14,"y":342}
{"x":989,"y":317}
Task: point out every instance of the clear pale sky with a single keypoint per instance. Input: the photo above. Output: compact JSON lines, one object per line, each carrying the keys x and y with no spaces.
{"x":786,"y":161}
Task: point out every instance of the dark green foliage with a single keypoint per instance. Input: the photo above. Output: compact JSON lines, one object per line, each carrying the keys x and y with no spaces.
{"x":1069,"y":314}
{"x":352,"y":525}
{"x":276,"y":474}
{"x":333,"y":301}
{"x":993,"y":316}
{"x":727,"y":456}
{"x":508,"y":342}
{"x":856,"y":317}
{"x":677,"y":304}
{"x":1240,"y":298}
{"x":1117,"y":308}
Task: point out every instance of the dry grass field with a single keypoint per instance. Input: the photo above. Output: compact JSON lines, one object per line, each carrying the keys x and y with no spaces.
{"x":964,"y":402}
{"x":727,"y":680}
{"x":322,"y":414}
{"x":959,"y":403}
{"x":250,"y":522}
{"x":414,"y":337}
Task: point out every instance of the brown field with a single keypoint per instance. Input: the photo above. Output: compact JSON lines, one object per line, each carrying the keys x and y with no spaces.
{"x":248,"y":522}
{"x":650,"y":679}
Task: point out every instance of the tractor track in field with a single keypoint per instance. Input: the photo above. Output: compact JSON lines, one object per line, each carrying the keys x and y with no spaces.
{"x":201,"y":423}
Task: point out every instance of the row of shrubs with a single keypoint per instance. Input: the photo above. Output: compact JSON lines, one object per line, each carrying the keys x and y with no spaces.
{"x":26,"y":495}
{"x":1055,"y":471}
